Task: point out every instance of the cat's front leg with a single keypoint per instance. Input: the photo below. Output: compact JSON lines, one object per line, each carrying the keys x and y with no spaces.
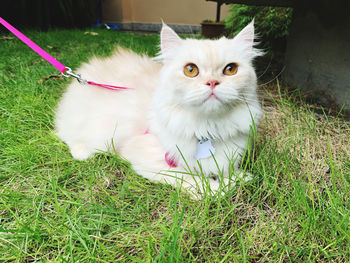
{"x":81,"y":151}
{"x":230,"y":156}
{"x":194,"y":185}
{"x":147,"y":158}
{"x":197,"y":185}
{"x":230,"y":179}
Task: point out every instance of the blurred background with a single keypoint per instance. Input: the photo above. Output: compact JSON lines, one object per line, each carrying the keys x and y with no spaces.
{"x":192,"y":17}
{"x":301,"y":39}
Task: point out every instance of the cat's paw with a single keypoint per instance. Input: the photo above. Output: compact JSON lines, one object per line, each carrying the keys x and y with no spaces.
{"x":228,"y":182}
{"x":209,"y":187}
{"x":220,"y":185}
{"x":80,"y":151}
{"x":244,"y":176}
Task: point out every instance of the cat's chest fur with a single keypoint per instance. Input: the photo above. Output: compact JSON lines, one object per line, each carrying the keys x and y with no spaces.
{"x":180,"y":133}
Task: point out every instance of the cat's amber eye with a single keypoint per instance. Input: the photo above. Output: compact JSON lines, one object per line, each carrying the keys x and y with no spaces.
{"x":231,"y":69}
{"x":191,"y":70}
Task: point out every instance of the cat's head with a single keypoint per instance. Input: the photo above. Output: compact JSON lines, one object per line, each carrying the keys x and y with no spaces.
{"x":207,"y":76}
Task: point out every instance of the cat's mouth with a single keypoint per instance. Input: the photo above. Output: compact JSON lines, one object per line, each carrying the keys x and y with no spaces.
{"x":212,"y":96}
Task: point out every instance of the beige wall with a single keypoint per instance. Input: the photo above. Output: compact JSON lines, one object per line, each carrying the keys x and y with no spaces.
{"x":187,"y":12}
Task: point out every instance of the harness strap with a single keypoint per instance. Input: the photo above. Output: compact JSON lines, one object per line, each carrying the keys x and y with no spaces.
{"x":170,"y":161}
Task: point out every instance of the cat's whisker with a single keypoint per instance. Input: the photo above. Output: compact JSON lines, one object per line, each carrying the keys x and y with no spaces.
{"x":199,"y":92}
{"x":268,"y":66}
{"x":248,"y":99}
{"x":245,"y":95}
{"x":250,"y":106}
{"x":198,"y":95}
{"x":260,"y":94}
{"x":241,"y":96}
{"x":249,"y":93}
{"x":250,"y":103}
{"x":264,"y":84}
{"x":255,"y":106}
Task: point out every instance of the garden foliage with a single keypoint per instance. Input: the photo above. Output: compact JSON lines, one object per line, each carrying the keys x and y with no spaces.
{"x":271,"y":23}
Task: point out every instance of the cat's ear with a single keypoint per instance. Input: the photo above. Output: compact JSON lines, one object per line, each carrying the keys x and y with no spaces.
{"x":246,"y":36}
{"x":168,"y":39}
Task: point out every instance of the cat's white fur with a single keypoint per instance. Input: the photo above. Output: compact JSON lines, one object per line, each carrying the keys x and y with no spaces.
{"x":176,"y":110}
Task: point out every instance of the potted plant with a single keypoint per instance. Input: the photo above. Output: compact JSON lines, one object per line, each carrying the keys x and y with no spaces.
{"x":213,"y":29}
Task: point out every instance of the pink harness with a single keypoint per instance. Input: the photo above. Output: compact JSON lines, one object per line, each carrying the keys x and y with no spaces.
{"x":170,"y":161}
{"x":66,"y":71}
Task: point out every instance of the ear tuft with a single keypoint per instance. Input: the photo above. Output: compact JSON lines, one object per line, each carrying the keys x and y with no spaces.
{"x":246,"y":35}
{"x":245,"y":40}
{"x":168,"y":39}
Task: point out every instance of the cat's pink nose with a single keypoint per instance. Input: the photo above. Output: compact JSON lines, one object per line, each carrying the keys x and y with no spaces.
{"x":212,"y":83}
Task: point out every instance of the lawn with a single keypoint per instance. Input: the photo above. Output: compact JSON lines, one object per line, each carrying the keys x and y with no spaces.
{"x":56,"y":209}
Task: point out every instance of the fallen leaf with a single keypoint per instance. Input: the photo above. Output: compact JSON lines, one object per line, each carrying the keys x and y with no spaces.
{"x":54,"y":76}
{"x":6,"y":38}
{"x":90,"y":33}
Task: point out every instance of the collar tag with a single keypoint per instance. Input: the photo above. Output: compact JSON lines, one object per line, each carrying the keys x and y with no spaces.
{"x":204,"y":149}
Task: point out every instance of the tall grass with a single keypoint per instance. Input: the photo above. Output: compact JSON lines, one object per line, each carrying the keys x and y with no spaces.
{"x":54,"y":208}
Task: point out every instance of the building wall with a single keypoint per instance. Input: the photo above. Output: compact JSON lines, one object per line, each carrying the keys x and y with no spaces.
{"x":318,"y":54}
{"x":178,"y":12}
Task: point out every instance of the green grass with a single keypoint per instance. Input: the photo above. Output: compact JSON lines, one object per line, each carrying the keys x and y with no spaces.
{"x":54,"y":208}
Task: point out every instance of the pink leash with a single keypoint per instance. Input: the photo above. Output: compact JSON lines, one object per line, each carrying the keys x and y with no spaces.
{"x":66,"y":71}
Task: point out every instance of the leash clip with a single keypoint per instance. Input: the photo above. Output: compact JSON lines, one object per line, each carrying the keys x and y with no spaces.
{"x":69,"y":73}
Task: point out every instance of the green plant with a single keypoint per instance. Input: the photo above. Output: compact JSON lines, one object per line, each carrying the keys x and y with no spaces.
{"x":212,"y":21}
{"x":271,"y":23}
{"x":207,"y":21}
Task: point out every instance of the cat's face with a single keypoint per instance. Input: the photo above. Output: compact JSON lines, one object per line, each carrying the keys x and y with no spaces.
{"x":208,"y":76}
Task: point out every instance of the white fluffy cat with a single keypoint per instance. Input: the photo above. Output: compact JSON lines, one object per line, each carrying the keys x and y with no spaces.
{"x":193,"y":110}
